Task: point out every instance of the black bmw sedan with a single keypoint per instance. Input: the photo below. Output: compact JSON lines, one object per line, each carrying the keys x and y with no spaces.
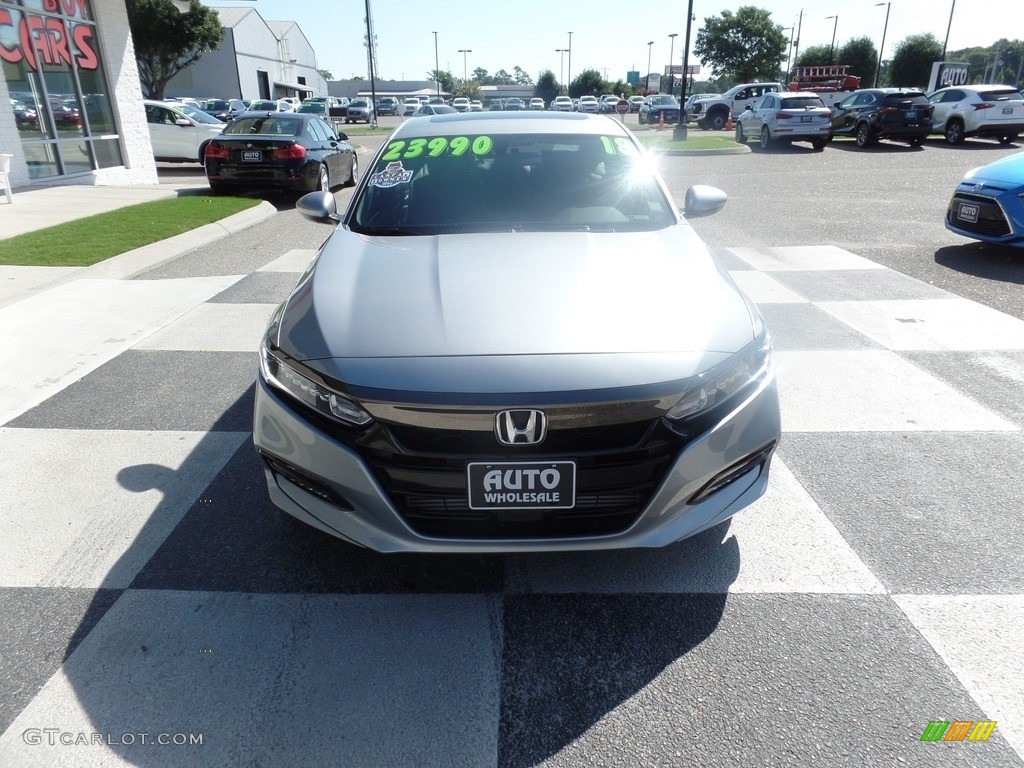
{"x":283,"y":150}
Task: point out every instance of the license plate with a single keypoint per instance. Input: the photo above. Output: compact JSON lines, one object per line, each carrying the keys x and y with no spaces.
{"x":521,"y":485}
{"x":1007,"y":110}
{"x":806,"y":118}
{"x":911,"y":115}
{"x":969,"y":213}
{"x":252,"y":157}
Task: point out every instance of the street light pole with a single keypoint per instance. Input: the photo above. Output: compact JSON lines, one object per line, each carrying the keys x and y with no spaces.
{"x":878,"y":69}
{"x":465,"y":76}
{"x":789,"y":52}
{"x":671,"y":53}
{"x":569,"y":78}
{"x":561,"y":68}
{"x":437,"y":67}
{"x":833,"y":45}
{"x":647,"y":78}
{"x":948,"y":27}
{"x":679,"y":133}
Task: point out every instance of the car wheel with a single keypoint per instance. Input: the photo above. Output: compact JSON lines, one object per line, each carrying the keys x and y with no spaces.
{"x":864,"y":138}
{"x":1007,"y":138}
{"x":354,"y":176}
{"x":819,"y":144}
{"x":217,"y":189}
{"x":323,"y":184}
{"x":717,"y":121}
{"x":741,"y":138}
{"x":915,"y":142}
{"x":766,"y":137}
{"x":955,"y":132}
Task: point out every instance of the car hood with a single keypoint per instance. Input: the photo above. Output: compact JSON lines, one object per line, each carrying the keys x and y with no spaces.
{"x":373,"y":309}
{"x":1008,"y":170}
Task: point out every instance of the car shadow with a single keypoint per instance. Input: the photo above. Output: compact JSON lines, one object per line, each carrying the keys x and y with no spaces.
{"x":972,"y":145}
{"x":882,"y":145}
{"x":992,"y":262}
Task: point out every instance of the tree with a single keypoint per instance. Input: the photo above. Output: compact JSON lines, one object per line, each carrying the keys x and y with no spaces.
{"x":746,"y":45}
{"x":547,"y":87}
{"x":812,"y":55}
{"x":587,"y":83}
{"x":326,"y":74}
{"x":167,"y":41}
{"x":521,"y":77}
{"x":501,"y":77}
{"x":912,"y":60}
{"x":860,"y":54}
{"x":481,"y":76}
{"x":444,"y":78}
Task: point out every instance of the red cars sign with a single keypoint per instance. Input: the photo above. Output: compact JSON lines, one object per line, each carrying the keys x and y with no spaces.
{"x":45,"y":40}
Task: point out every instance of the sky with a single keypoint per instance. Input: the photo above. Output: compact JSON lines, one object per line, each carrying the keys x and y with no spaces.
{"x":528,"y":33}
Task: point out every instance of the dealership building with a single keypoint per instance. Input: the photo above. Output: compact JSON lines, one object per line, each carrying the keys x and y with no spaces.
{"x":70,"y":100}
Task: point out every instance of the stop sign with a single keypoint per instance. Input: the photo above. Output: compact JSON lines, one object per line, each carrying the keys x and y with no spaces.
{"x":622,"y":107}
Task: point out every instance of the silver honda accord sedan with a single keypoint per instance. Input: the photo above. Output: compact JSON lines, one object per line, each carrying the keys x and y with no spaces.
{"x":513,"y":341}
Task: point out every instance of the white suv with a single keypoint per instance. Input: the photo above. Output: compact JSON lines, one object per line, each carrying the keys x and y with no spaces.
{"x":995,"y":111}
{"x":178,"y":137}
{"x":460,"y":104}
{"x":731,"y":103}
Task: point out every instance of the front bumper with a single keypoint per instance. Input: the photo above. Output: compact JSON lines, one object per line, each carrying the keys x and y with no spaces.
{"x":328,"y":485}
{"x":991,"y":214}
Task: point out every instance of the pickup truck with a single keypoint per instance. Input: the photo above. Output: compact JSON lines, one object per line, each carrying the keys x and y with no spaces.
{"x":717,"y":112}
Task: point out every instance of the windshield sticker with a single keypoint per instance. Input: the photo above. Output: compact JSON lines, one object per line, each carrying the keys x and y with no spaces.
{"x":437,"y":146}
{"x":391,"y":176}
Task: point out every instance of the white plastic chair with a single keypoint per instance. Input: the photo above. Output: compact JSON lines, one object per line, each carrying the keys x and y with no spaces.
{"x":5,"y":169}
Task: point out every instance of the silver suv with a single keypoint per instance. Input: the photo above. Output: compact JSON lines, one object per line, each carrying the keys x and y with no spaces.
{"x":731,"y":103}
{"x":993,"y":111}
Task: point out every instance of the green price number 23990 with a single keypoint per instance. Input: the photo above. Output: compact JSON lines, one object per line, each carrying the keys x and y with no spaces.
{"x":437,"y":146}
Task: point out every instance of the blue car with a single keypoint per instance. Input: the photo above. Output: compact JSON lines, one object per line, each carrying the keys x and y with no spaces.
{"x":988,"y":204}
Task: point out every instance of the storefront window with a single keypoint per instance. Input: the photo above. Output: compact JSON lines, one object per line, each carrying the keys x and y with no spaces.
{"x":51,"y":63}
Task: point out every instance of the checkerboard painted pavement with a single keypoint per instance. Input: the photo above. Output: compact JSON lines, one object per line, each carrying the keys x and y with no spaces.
{"x":147,"y":586}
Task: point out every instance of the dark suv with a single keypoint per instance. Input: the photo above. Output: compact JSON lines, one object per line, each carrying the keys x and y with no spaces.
{"x":871,"y":114}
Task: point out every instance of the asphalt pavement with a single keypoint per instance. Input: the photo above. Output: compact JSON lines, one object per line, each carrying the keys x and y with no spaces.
{"x":148,"y":586}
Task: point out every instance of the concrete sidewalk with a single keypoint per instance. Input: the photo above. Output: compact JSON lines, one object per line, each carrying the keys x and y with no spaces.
{"x":36,"y":208}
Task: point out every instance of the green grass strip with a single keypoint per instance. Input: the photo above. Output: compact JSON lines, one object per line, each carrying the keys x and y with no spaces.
{"x":86,"y":241}
{"x":664,"y":141}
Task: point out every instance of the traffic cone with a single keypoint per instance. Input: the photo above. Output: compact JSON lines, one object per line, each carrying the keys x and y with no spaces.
{"x":728,"y":123}
{"x":661,"y":120}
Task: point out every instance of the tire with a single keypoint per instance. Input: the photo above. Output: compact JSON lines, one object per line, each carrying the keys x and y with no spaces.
{"x":1007,"y":138}
{"x":954,"y":132}
{"x":819,"y":144}
{"x":915,"y":142}
{"x":323,"y":182}
{"x":354,"y":176}
{"x":741,"y":137}
{"x":766,"y":137}
{"x":863,"y":136}
{"x":640,"y":119}
{"x":717,"y":120}
{"x":216,"y":189}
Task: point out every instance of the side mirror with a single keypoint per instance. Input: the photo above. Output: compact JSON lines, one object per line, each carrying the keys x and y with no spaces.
{"x":342,"y":136}
{"x":183,"y":122}
{"x":701,"y":200}
{"x":318,"y":205}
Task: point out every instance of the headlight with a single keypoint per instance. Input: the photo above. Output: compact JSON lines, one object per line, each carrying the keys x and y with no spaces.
{"x":718,"y":385}
{"x":316,"y":395}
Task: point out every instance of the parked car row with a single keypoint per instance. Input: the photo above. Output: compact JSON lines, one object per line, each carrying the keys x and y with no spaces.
{"x":870,"y":114}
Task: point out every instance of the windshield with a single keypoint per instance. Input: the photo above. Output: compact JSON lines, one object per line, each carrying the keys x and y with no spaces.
{"x":197,"y":114}
{"x":516,"y":182}
{"x":265,"y":126}
{"x":664,"y":100}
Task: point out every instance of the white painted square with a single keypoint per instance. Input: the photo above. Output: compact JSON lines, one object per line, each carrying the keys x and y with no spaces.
{"x":762,"y":289}
{"x":214,"y":327}
{"x":295,"y":260}
{"x":979,"y":637}
{"x":872,"y":391}
{"x":15,"y":281}
{"x":782,"y":543}
{"x":930,"y":324}
{"x":803,"y":257}
{"x":88,"y":508}
{"x":315,"y":680}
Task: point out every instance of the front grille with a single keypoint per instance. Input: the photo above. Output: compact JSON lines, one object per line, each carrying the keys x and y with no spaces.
{"x":991,"y":220}
{"x":616,"y":475}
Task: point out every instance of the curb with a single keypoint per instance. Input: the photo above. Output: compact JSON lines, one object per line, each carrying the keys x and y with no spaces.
{"x":131,"y":263}
{"x":739,"y":149}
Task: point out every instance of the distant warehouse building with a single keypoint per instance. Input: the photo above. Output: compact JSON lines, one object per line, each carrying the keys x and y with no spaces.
{"x":257,"y":59}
